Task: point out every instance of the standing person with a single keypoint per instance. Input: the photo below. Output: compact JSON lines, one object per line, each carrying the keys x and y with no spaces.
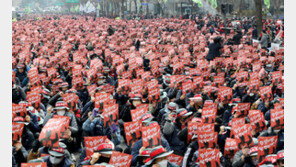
{"x":264,"y":40}
{"x":254,"y":33}
{"x":214,"y":48}
{"x":21,"y":74}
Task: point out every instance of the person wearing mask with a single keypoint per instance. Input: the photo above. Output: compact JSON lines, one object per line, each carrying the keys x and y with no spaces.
{"x":57,"y":158}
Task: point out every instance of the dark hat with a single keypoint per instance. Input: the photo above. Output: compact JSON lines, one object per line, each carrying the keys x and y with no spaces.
{"x":197,"y":97}
{"x":20,"y":119}
{"x":235,"y":101}
{"x":269,"y":159}
{"x":106,"y":68}
{"x":46,"y":93}
{"x":21,"y":65}
{"x":101,"y":76}
{"x":182,"y":112}
{"x":172,"y":106}
{"x":157,"y":152}
{"x":57,"y":152}
{"x":145,"y":152}
{"x":105,"y":148}
{"x":61,"y":105}
{"x":253,"y":151}
{"x":64,"y":84}
{"x":146,"y":118}
{"x":136,"y":97}
{"x":280,"y":155}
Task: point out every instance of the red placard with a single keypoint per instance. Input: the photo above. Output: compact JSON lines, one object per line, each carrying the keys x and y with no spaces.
{"x":100,"y":98}
{"x":34,"y":98}
{"x":77,"y":71}
{"x":65,"y":125}
{"x":178,"y":68}
{"x":242,"y":76}
{"x":265,"y":93}
{"x":242,"y":109}
{"x":97,"y":64}
{"x":71,"y":99}
{"x":108,"y":88}
{"x":77,"y":82}
{"x":132,"y":131}
{"x":254,"y":85}
{"x":92,"y":143}
{"x":194,"y":71}
{"x":277,"y":118}
{"x":187,"y":87}
{"x":195,"y":128}
{"x":198,"y":82}
{"x":36,"y":164}
{"x":110,"y":114}
{"x":120,"y":69}
{"x":18,"y":110}
{"x":218,"y":81}
{"x":207,"y":139}
{"x":236,"y":122}
{"x":91,"y":89}
{"x":266,"y":146}
{"x":243,"y":135}
{"x":209,"y":157}
{"x":119,"y":159}
{"x":230,"y":147}
{"x":33,"y":76}
{"x":126,"y":75}
{"x":154,"y":95}
{"x":151,"y":135}
{"x":137,"y":87}
{"x":124,"y":85}
{"x":137,"y":113}
{"x":254,"y":75}
{"x":52,"y":72}
{"x":92,"y":75}
{"x":276,"y":77}
{"x":208,"y":114}
{"x":225,"y":94}
{"x":17,"y":131}
{"x":50,"y":133}
{"x":257,"y":120}
{"x":176,"y":159}
{"x":151,"y":84}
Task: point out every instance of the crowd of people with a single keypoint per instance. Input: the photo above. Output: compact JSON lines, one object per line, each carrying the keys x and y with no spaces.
{"x":149,"y":92}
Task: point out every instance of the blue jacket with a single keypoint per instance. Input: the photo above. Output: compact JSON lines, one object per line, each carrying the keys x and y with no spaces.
{"x":96,"y":128}
{"x":262,"y":107}
{"x":175,"y":143}
{"x":33,"y":125}
{"x":137,"y":146}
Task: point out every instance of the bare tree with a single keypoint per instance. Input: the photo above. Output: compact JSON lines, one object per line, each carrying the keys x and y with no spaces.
{"x":136,"y":6}
{"x":258,"y":15}
{"x":276,"y":4}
